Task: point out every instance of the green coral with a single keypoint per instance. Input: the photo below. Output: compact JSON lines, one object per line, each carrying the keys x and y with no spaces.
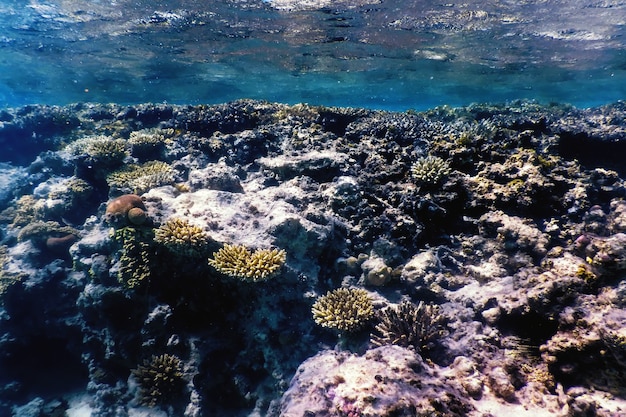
{"x":430,"y":170}
{"x":237,"y":261}
{"x":343,"y":309}
{"x":138,"y":179}
{"x":182,"y":238}
{"x":160,"y":379}
{"x":409,"y":325}
{"x":136,"y":260}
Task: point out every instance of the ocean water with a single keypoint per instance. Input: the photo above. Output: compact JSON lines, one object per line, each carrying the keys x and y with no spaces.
{"x":388,"y":54}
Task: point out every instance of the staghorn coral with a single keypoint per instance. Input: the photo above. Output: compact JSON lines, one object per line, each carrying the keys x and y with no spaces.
{"x":429,"y":170}
{"x":139,"y":179}
{"x":135,"y":263}
{"x":160,"y":379}
{"x":409,"y":325}
{"x":182,"y":238}
{"x":343,"y":309}
{"x":239,"y":262}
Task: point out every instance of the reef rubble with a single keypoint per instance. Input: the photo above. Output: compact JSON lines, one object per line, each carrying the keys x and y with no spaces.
{"x":189,"y":244}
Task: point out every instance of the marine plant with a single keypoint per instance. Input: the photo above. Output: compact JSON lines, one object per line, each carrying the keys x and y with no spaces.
{"x":430,"y":170}
{"x":238,"y":261}
{"x":160,"y":379}
{"x":409,"y":325}
{"x":136,"y":260}
{"x":182,"y":238}
{"x":343,"y":309}
{"x":138,"y":179}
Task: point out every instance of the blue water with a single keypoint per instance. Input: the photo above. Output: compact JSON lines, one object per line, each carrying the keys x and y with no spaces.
{"x":382,"y":54}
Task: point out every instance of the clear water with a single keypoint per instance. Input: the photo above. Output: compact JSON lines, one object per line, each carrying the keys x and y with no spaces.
{"x":388,"y":54}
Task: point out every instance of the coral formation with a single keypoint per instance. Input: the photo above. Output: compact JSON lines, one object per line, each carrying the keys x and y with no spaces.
{"x":120,"y":211}
{"x":138,"y":179}
{"x":182,"y":238}
{"x":409,"y":325}
{"x":343,"y":309}
{"x":238,"y":261}
{"x":518,"y":253}
{"x":160,"y":379}
{"x":100,"y":150}
{"x":136,"y":256}
{"x":430,"y":170}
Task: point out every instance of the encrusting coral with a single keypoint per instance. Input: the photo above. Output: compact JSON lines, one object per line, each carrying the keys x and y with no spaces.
{"x":160,"y":378}
{"x":343,"y":309}
{"x":429,"y":170}
{"x":409,"y":325}
{"x":182,"y":238}
{"x":237,"y":261}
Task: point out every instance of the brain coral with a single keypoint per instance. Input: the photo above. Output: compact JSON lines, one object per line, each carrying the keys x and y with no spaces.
{"x":182,"y":238}
{"x":343,"y":309}
{"x":239,"y":262}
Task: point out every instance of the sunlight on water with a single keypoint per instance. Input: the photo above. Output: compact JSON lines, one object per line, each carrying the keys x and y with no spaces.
{"x":378,"y":55}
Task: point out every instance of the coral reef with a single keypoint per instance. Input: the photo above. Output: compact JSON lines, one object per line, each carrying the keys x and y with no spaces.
{"x":343,"y":309}
{"x":486,"y":280}
{"x":237,"y":261}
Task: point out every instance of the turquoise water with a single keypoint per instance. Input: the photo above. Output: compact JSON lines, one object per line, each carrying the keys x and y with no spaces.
{"x":388,"y":54}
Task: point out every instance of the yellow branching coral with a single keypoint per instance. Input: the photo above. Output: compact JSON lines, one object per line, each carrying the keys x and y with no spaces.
{"x":182,"y":238}
{"x":239,"y":262}
{"x":160,"y":378}
{"x":343,"y":309}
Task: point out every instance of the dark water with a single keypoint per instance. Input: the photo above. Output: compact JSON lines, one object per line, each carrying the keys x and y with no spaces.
{"x":381,"y":54}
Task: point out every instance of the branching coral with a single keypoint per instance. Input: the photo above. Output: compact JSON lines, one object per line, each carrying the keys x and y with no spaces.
{"x":160,"y":379}
{"x":239,"y":262}
{"x":409,"y":325}
{"x":429,"y":170}
{"x":182,"y":238}
{"x":343,"y":309}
